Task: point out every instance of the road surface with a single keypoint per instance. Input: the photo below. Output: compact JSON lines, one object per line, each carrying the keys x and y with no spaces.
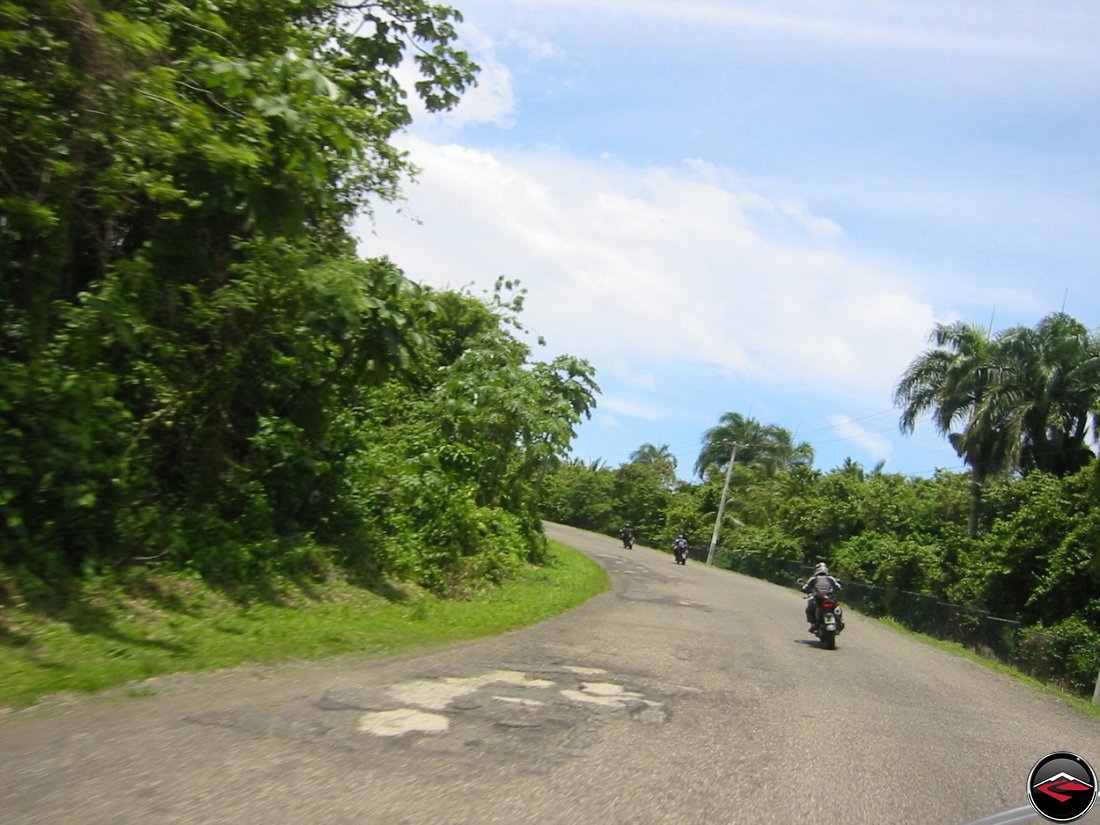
{"x":684,"y":695}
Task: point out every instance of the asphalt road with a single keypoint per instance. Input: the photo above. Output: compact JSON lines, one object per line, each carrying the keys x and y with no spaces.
{"x":685,"y":695}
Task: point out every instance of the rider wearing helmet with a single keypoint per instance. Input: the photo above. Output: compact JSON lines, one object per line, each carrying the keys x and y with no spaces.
{"x":680,"y":548}
{"x":819,"y":584}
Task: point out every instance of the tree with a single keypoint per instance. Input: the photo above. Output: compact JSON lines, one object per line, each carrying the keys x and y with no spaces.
{"x":183,"y":322}
{"x":771,"y":448}
{"x":641,"y":498}
{"x":952,"y":382}
{"x":580,"y":494}
{"x":1046,"y":390}
{"x":660,"y":458}
{"x":649,"y":454}
{"x":166,"y":133}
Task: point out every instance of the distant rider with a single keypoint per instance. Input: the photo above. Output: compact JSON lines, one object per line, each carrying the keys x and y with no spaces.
{"x":626,"y":533}
{"x":820,"y":584}
{"x":680,"y":547}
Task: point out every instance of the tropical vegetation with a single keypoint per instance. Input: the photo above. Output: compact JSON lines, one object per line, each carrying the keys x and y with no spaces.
{"x":197,"y":372}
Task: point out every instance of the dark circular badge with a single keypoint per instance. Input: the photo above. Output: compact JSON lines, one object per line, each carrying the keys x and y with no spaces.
{"x":1062,"y":787}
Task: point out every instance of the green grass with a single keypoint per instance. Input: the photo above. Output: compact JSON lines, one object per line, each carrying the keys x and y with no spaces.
{"x":1078,"y":703}
{"x":112,"y":637}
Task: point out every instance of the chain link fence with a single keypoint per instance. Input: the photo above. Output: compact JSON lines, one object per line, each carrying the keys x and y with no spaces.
{"x":1044,"y":656}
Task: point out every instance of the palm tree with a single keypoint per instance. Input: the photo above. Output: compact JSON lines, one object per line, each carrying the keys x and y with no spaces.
{"x":953,"y":381}
{"x":649,"y":454}
{"x":769,"y":447}
{"x":661,"y":459}
{"x":1048,"y":387}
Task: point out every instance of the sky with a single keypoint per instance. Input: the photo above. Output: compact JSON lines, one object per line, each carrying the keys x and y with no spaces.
{"x":762,"y":207}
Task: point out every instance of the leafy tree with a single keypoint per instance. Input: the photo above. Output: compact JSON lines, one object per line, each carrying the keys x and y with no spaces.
{"x":768,"y":447}
{"x":952,"y":381}
{"x":1047,"y":386}
{"x":195,"y":367}
{"x":660,"y":458}
{"x":581,"y":495}
{"x":641,"y":496}
{"x":649,"y":454}
{"x":164,"y":133}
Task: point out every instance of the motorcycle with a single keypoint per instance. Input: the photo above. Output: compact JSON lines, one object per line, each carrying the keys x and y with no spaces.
{"x":681,"y":554}
{"x":828,"y":620}
{"x":628,"y":540}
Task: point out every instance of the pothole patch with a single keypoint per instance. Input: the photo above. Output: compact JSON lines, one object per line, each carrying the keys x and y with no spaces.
{"x":401,"y":721}
{"x":521,"y":700}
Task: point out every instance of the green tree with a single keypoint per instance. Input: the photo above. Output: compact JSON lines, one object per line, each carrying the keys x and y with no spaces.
{"x":641,"y":497}
{"x":581,"y":495}
{"x":165,"y":133}
{"x":194,"y":365}
{"x":770,"y":448}
{"x":952,"y":382}
{"x":659,"y":457}
{"x":1047,"y":386}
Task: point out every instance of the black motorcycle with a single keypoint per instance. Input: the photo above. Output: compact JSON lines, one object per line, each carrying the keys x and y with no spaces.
{"x":828,"y":620}
{"x":680,"y":551}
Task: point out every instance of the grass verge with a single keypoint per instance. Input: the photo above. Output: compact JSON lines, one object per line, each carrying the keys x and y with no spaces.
{"x":1079,"y":703}
{"x":172,"y":624}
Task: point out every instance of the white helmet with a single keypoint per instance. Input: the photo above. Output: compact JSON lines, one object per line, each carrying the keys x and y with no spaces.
{"x":821,"y":569}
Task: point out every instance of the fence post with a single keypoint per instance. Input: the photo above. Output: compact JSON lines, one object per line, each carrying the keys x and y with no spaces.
{"x":1096,"y":693}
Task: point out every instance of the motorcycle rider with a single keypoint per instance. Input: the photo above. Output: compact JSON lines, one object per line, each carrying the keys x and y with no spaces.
{"x":626,"y":533}
{"x":680,"y":547}
{"x":819,"y":584}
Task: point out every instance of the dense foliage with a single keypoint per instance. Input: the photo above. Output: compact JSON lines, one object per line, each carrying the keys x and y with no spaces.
{"x":194,"y":366}
{"x":1018,"y":537}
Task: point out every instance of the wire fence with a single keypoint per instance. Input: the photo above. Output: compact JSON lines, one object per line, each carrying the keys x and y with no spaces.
{"x":1045,"y":656}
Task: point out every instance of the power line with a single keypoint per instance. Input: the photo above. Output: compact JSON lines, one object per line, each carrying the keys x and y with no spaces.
{"x":849,"y":421}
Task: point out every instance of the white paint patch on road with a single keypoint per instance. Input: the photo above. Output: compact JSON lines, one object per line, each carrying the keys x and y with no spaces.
{"x":424,"y":695}
{"x":607,"y":695}
{"x":437,"y":694}
{"x":402,"y":721}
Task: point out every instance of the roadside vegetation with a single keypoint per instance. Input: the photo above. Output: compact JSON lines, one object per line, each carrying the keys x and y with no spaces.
{"x":158,"y":622}
{"x":223,"y":434}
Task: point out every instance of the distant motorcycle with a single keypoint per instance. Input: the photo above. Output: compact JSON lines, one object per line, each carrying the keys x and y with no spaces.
{"x":628,"y":540}
{"x":680,"y":551}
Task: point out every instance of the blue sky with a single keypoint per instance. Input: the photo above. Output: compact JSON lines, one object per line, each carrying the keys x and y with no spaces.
{"x":762,"y":207}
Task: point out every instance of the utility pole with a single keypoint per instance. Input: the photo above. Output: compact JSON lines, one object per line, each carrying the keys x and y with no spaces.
{"x":721,"y":509}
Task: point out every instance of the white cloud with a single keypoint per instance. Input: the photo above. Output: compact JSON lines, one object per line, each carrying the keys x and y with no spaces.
{"x":632,"y":409}
{"x":535,"y":48}
{"x":633,"y":265}
{"x":608,"y":421}
{"x":622,"y":370}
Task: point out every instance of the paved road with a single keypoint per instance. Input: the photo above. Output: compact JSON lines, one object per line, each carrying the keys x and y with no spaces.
{"x":685,"y":695}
